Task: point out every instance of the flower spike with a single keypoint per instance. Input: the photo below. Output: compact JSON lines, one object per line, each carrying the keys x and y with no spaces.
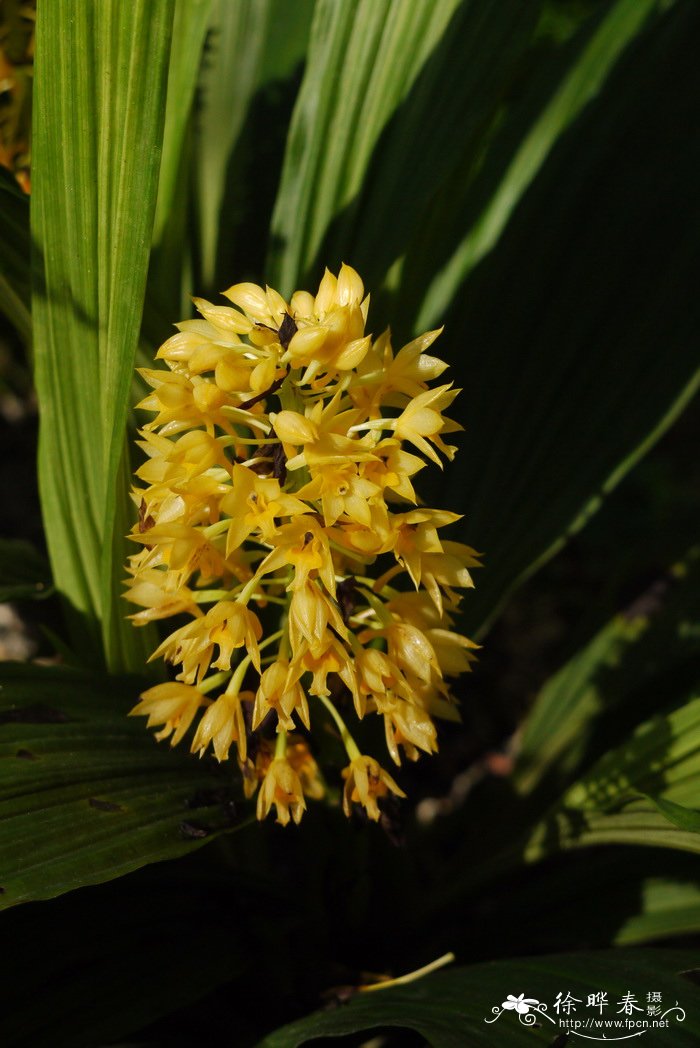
{"x":278,"y":487}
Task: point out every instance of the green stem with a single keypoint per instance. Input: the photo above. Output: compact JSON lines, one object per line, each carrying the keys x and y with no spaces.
{"x":213,"y":682}
{"x":348,"y":741}
{"x":281,"y":746}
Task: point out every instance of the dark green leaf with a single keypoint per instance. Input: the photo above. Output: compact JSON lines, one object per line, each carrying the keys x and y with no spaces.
{"x":682,"y":817}
{"x":86,"y":794}
{"x":450,"y":1009}
{"x":557,"y":335}
{"x":502,"y":202}
{"x":24,"y":573}
{"x":624,"y":665}
{"x":14,"y":255}
{"x":107,"y":961}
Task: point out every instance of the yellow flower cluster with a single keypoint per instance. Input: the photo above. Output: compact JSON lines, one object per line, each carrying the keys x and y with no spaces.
{"x":277,"y":512}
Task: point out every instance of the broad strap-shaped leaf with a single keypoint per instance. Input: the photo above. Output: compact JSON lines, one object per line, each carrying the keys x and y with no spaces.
{"x":113,"y":945}
{"x":670,"y":906}
{"x":24,"y":573}
{"x":501,"y":202}
{"x":14,"y":255}
{"x":661,"y":762}
{"x":618,"y":674}
{"x":364,"y":58}
{"x":637,"y":823}
{"x":465,"y":1006}
{"x":86,"y":794}
{"x":661,"y":758}
{"x":169,"y":277}
{"x":572,"y":339}
{"x":189,"y":32}
{"x":253,"y":46}
{"x":101,"y":73}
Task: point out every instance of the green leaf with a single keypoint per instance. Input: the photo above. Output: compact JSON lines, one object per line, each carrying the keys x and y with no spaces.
{"x":100,"y":978}
{"x":363,"y":59}
{"x":14,"y":255}
{"x":670,"y":906}
{"x":612,"y":896}
{"x":662,"y":756}
{"x":253,"y":46}
{"x":169,"y":288}
{"x":24,"y":573}
{"x":564,"y":383}
{"x":500,"y":202}
{"x":677,"y":814}
{"x":86,"y":794}
{"x":662,"y":763}
{"x":99,"y":106}
{"x":580,"y":82}
{"x":455,"y":1008}
{"x":189,"y":32}
{"x":640,"y":823}
{"x":610,"y":679}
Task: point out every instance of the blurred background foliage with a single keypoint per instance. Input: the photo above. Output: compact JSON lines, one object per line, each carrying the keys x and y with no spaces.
{"x":525,"y":174}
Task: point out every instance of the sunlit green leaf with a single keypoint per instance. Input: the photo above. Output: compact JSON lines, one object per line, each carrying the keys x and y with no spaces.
{"x":670,"y":907}
{"x":189,"y":31}
{"x":364,"y":57}
{"x":662,"y":757}
{"x":99,"y":106}
{"x":251,"y":43}
{"x":662,"y":763}
{"x":469,"y":190}
{"x":86,"y":794}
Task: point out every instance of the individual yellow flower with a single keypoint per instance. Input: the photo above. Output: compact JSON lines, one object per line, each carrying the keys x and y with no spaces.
{"x":365,"y":782}
{"x":282,"y":789}
{"x":228,"y":625}
{"x":173,"y":704}
{"x":222,"y":725}
{"x":303,"y":545}
{"x":255,"y":504}
{"x":301,"y":760}
{"x":280,"y":692}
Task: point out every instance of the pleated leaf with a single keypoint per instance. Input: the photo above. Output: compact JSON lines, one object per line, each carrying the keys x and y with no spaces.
{"x":499,"y":200}
{"x":86,"y":794}
{"x":190,"y":24}
{"x":607,"y":683}
{"x":455,"y":1008}
{"x":646,"y":792}
{"x":364,"y":56}
{"x":670,"y":907}
{"x":662,"y":757}
{"x":101,"y":71}
{"x":253,"y":46}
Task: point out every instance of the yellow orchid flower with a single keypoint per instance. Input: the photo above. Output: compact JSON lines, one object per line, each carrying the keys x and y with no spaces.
{"x":278,"y":477}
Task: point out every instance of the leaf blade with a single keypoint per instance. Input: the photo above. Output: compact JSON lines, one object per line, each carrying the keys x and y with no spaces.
{"x":85,"y":793}
{"x":98,"y":117}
